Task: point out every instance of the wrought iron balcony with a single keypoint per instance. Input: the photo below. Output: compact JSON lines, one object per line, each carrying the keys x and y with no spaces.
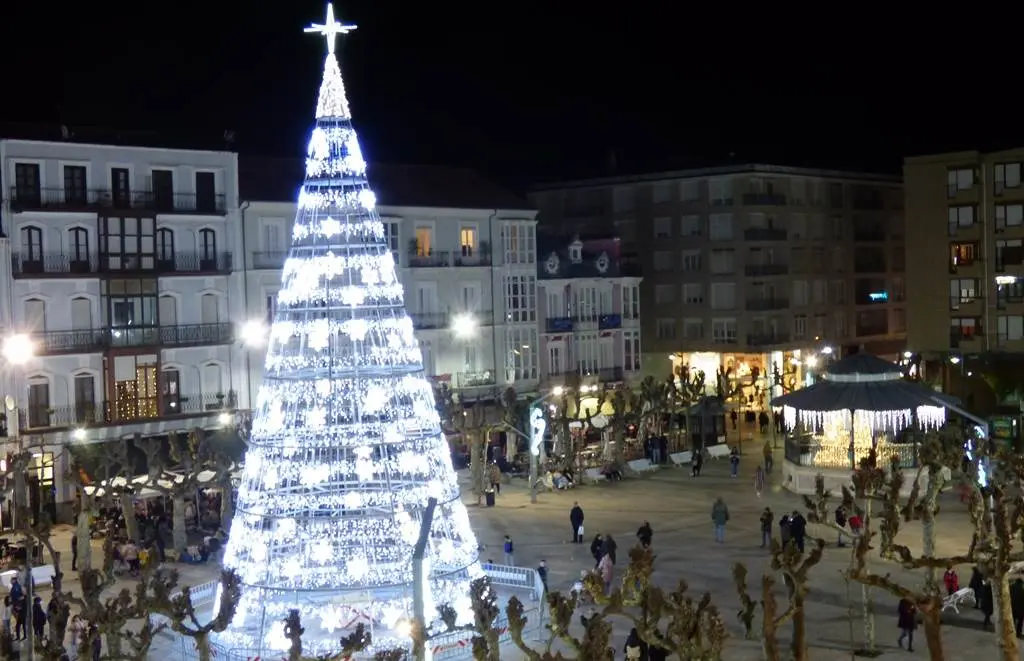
{"x":53,"y":264}
{"x":764,"y":199}
{"x":100,"y":339}
{"x":767,"y":339}
{"x":763,"y":304}
{"x":475,"y":379}
{"x":59,"y":265}
{"x":193,"y":262}
{"x":765,"y":234}
{"x":756,"y":270}
{"x":96,"y":199}
{"x":559,"y":324}
{"x":92,"y":414}
{"x":429,"y":320}
{"x":269,"y":259}
{"x":444,"y":259}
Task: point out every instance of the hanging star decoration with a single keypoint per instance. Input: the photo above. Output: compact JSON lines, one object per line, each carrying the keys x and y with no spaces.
{"x":330,"y":29}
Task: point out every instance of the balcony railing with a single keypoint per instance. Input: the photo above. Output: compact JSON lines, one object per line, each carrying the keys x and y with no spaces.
{"x":444,"y":259}
{"x":766,"y":269}
{"x":764,"y":199}
{"x":764,"y":304}
{"x":86,"y":414}
{"x":764,"y":234}
{"x":475,"y":379}
{"x":99,"y":339}
{"x":60,"y":265}
{"x":558,"y":324}
{"x":429,"y":320}
{"x":766,"y":339}
{"x":603,"y":374}
{"x":97,"y":199}
{"x":609,"y":321}
{"x":269,"y":259}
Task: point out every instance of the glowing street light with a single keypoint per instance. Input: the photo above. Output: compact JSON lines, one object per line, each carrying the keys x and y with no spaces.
{"x":827,"y":351}
{"x":464,"y":325}
{"x":558,"y":391}
{"x":19,"y":349}
{"x":811,"y":361}
{"x":955,"y":360}
{"x":253,"y":333}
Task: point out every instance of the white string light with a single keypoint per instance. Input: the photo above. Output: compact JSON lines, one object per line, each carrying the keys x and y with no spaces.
{"x":346,"y":444}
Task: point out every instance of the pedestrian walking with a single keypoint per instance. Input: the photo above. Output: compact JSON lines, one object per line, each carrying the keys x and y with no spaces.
{"x":542,"y":571}
{"x":762,"y":422}
{"x":74,"y":553}
{"x":766,"y":527}
{"x":734,"y":416}
{"x":907,"y":621}
{"x":840,"y":516}
{"x":576,"y":521}
{"x":606,"y":568}
{"x":976,"y":584}
{"x":758,"y":481}
{"x":951,"y":580}
{"x":609,"y":547}
{"x":645,"y":533}
{"x":597,"y":548}
{"x":719,"y":517}
{"x":769,"y":456}
{"x":734,"y":462}
{"x":697,"y":463}
{"x":785,"y":530}
{"x":510,"y":558}
{"x":38,"y":618}
{"x":798,"y":529}
{"x":987,"y":605}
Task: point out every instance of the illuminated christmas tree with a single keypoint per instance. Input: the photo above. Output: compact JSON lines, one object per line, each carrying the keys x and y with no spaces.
{"x":346,"y":444}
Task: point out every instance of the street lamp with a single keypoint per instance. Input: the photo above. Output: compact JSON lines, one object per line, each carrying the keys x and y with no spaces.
{"x":464,"y":325}
{"x":18,"y":349}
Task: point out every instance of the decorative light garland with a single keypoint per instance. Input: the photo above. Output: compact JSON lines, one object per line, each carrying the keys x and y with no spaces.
{"x":929,"y":417}
{"x":346,"y":444}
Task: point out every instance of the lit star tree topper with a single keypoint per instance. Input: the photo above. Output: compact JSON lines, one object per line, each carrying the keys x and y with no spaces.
{"x":346,"y":446}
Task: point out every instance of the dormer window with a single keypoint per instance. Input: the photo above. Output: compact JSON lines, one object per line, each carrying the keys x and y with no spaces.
{"x":576,"y":251}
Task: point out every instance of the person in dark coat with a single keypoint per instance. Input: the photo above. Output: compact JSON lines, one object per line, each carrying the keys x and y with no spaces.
{"x":798,"y":529}
{"x":975,"y":586}
{"x":576,"y":520}
{"x":907,"y":623}
{"x":597,"y":548}
{"x":645,"y":534}
{"x":697,"y":463}
{"x":38,"y":618}
{"x":987,"y":605}
{"x":1017,"y":605}
{"x":74,"y":552}
{"x":609,"y":548}
{"x":785,"y":530}
{"x":635,"y":649}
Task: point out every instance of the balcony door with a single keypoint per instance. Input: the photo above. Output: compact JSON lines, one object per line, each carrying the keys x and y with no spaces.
{"x":207,"y":250}
{"x":35,"y":315}
{"x":78,"y":250}
{"x":168,"y":312}
{"x":556,"y":358}
{"x":607,"y":353}
{"x":209,"y":309}
{"x":165,"y":249}
{"x":120,"y":188}
{"x":38,"y":404}
{"x":75,"y":191}
{"x":31,"y":250}
{"x":163,"y":189}
{"x":170,"y":391}
{"x":27,"y":187}
{"x":206,"y":195}
{"x":81,"y":314}
{"x":85,"y":399}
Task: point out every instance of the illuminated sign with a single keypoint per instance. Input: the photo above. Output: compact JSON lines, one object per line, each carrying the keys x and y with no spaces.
{"x":538,"y":425}
{"x":878,"y":296}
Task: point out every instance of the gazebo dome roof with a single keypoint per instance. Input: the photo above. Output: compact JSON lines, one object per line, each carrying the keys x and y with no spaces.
{"x":863,"y":367}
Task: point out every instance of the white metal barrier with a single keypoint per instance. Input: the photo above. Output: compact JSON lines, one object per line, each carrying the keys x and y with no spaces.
{"x":522,"y":578}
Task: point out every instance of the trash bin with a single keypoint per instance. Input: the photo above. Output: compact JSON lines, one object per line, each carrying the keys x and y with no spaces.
{"x":489,"y":497}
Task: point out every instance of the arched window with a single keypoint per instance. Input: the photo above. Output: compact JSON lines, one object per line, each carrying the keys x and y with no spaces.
{"x":170,"y":392}
{"x":31,"y":250}
{"x":207,"y":250}
{"x":165,"y":249}
{"x":78,"y":250}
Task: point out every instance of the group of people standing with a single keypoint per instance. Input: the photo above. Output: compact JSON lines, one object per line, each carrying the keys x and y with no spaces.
{"x":45,"y":624}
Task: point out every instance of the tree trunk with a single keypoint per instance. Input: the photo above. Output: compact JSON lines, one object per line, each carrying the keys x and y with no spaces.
{"x":799,"y":644}
{"x":113,"y":645}
{"x":867,"y":600}
{"x":933,"y":632}
{"x":1004,"y":619}
{"x":476,"y":467}
{"x":84,"y":543}
{"x":178,"y":532}
{"x":128,"y":509}
{"x":227,"y":512}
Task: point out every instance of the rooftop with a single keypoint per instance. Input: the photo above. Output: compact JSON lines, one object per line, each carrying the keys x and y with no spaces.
{"x":97,"y":136}
{"x":436,"y":186}
{"x":748,"y":168}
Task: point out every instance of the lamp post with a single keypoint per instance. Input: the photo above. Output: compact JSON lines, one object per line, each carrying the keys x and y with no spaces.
{"x":419,"y":580}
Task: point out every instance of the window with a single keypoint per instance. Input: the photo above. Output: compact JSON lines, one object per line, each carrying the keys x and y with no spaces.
{"x":206,"y":191}
{"x":720,"y":192}
{"x":35,"y":315}
{"x":723,"y":295}
{"x":800,"y":290}
{"x":663,"y":294}
{"x":665,"y":329}
{"x":31,"y":249}
{"x":689,"y":191}
{"x":818,"y":288}
{"x":391,"y":236}
{"x":78,"y":249}
{"x":1010,"y":327}
{"x":797,"y":192}
{"x":162,"y":184}
{"x":423,"y":241}
{"x":75,"y":187}
{"x":840,"y":323}
{"x":756,"y":221}
{"x":690,"y":226}
{"x":899,"y":320}
{"x":85,"y":398}
{"x":165,"y":249}
{"x":520,"y":243}
{"x":899,"y":259}
{"x":522,"y":358}
{"x":38,"y":402}
{"x":1009,"y":293}
{"x":817,"y":226}
{"x":126,"y":243}
{"x":838,"y":292}
{"x":819,"y":325}
{"x":963,"y":254}
{"x":898,"y":292}
{"x":691,"y":260}
{"x":799,"y":327}
{"x":662,"y":228}
{"x":630,"y":301}
{"x":693,"y":293}
{"x":959,"y":179}
{"x":964,"y":328}
{"x":521,"y":298}
{"x":270,"y":308}
{"x":720,"y":227}
{"x":798,"y":225}
{"x":1009,"y":215}
{"x":662,"y":261}
{"x":723,"y":331}
{"x":587,"y":351}
{"x":960,"y":218}
{"x":207,"y":250}
{"x":838,"y":227}
{"x":1009,"y":252}
{"x":1007,"y":175}
{"x":962,"y":291}
{"x":631,"y":350}
{"x":585,"y":303}
{"x":661,"y":193}
{"x":693,"y":329}
{"x":723,"y":261}
{"x":467,"y":241}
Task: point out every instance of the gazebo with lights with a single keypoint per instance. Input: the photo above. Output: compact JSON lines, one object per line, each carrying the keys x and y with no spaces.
{"x":861,"y":403}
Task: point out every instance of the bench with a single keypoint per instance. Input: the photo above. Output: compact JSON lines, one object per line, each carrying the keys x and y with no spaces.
{"x":640,"y":466}
{"x":42,"y":575}
{"x":593,"y":475}
{"x":718,"y":451}
{"x":957,"y":599}
{"x":681,"y":458}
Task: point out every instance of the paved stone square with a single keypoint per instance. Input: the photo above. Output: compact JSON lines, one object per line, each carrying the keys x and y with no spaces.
{"x":678,"y":508}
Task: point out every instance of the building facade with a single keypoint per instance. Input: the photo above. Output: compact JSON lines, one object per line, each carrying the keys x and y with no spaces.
{"x":751,"y":268}
{"x":965,"y":274}
{"x":466,"y":250}
{"x":118,"y":263}
{"x":589,"y":301}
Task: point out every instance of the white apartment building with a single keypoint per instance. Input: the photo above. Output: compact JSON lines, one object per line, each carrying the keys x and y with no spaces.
{"x":466,"y":251}
{"x":118,"y":263}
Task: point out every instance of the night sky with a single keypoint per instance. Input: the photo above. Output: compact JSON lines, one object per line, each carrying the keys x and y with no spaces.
{"x":512,"y":89}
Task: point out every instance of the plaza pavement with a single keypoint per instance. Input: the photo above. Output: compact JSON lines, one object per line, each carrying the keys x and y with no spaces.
{"x":679,"y":509}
